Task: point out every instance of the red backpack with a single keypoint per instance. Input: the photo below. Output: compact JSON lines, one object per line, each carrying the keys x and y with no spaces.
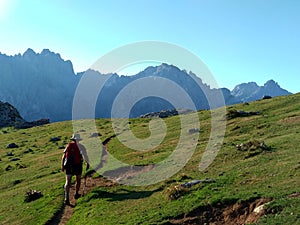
{"x":72,"y":151}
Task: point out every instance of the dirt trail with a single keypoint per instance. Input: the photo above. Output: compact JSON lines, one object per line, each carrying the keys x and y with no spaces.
{"x":229,"y":214}
{"x":87,"y":184}
{"x":238,"y":213}
{"x":66,"y":212}
{"x":90,"y":184}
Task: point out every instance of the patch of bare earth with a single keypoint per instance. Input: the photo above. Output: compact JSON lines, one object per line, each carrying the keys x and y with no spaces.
{"x":229,"y":214}
{"x":126,"y":172}
{"x":294,"y":195}
{"x":290,"y":120}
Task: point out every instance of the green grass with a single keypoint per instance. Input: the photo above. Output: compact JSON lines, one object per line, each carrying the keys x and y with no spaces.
{"x":238,"y":175}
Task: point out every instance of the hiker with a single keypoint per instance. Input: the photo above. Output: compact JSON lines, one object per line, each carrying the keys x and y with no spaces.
{"x":72,"y":160}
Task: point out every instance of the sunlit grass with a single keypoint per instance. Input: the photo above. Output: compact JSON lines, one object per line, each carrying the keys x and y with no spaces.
{"x":274,"y":173}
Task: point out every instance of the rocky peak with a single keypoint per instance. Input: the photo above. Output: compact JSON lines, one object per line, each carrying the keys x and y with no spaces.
{"x":46,"y":52}
{"x":271,"y":84}
{"x":29,"y":53}
{"x":240,"y":89}
{"x":273,"y":89}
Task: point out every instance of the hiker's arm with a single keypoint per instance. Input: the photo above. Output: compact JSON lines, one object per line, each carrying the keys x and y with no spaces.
{"x":64,"y":157}
{"x":62,"y":162}
{"x":86,"y":159}
{"x":85,"y":156}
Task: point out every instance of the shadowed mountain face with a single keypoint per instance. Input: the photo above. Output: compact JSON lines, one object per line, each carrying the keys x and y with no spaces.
{"x":43,"y":85}
{"x":38,"y":85}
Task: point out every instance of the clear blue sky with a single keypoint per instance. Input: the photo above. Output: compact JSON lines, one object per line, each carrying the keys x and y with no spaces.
{"x":239,"y":41}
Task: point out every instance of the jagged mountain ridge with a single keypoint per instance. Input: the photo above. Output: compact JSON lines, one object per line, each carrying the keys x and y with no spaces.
{"x":251,"y":91}
{"x":39,"y":85}
{"x":152,"y":104}
{"x":42,"y":85}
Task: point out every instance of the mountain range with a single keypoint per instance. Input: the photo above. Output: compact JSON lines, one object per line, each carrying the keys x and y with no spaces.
{"x":42,"y":85}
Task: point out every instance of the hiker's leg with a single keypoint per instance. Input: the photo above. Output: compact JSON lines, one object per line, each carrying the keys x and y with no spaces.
{"x":78,"y":180}
{"x":67,"y":186}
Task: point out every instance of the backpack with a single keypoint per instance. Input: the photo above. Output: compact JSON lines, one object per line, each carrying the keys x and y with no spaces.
{"x":69,"y":162}
{"x":73,"y":156}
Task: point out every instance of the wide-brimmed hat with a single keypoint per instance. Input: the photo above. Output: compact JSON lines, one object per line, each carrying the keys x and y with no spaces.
{"x":76,"y":137}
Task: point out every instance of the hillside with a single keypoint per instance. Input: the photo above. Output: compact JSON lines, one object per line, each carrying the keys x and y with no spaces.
{"x":240,"y":178}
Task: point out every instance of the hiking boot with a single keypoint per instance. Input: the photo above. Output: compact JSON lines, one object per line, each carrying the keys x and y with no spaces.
{"x":77,"y":195}
{"x":67,"y":202}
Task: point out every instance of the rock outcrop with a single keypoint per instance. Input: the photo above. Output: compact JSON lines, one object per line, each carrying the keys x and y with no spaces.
{"x":10,"y":117}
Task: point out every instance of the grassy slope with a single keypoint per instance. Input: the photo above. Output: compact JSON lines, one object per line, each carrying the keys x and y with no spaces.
{"x":41,"y":172}
{"x":273,"y":174}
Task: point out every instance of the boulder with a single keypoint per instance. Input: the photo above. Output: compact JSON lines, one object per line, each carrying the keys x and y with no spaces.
{"x":239,"y":113}
{"x":193,"y":130}
{"x":55,"y":139}
{"x":32,"y":195}
{"x":166,"y":113}
{"x":266,"y":97}
{"x":12,"y":145}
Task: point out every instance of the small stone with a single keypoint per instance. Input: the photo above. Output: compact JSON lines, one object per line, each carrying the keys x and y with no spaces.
{"x":193,"y":130}
{"x":55,"y":139}
{"x":8,"y":168}
{"x":95,"y":135}
{"x":260,"y":209}
{"x":29,"y":150}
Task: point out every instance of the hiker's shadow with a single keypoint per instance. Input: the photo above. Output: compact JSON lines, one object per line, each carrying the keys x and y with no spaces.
{"x":121,"y":195}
